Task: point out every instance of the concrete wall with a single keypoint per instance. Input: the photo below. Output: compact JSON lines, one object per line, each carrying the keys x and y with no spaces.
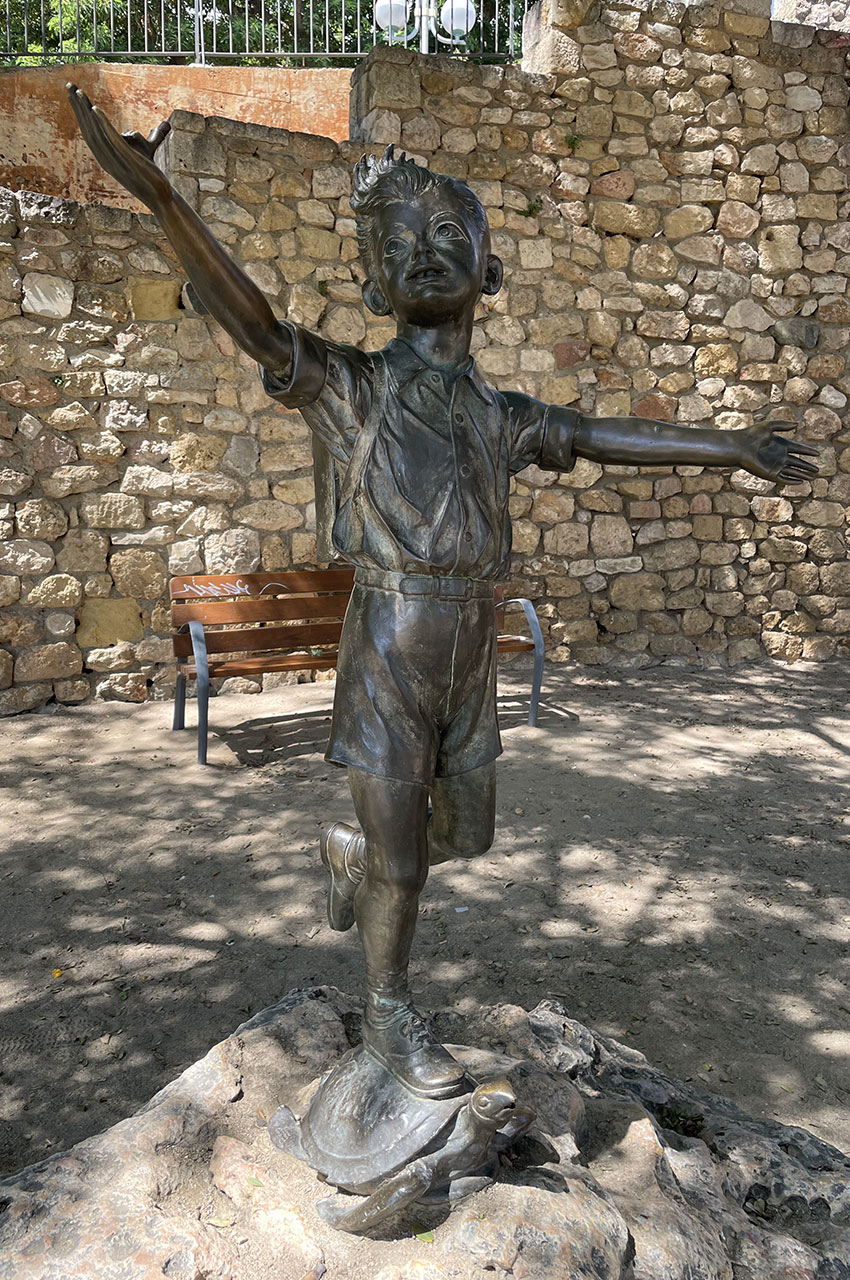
{"x":672,"y":214}
{"x":40,"y":145}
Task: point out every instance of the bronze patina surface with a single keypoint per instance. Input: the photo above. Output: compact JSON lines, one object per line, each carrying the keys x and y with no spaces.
{"x":423,"y":451}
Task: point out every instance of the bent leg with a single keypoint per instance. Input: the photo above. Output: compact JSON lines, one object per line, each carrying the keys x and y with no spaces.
{"x":463,"y":822}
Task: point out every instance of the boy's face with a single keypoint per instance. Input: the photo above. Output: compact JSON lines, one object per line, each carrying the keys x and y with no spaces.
{"x":431,"y":260}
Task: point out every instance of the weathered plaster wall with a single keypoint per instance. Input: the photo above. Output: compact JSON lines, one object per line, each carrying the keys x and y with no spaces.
{"x":40,"y":144}
{"x":672,"y":216}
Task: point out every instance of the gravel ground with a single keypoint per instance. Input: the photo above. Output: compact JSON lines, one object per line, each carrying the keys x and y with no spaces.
{"x":671,"y":862}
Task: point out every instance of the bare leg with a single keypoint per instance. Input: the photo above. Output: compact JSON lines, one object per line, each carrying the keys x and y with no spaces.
{"x":461,"y":826}
{"x":392,"y":817}
{"x":393,"y":822}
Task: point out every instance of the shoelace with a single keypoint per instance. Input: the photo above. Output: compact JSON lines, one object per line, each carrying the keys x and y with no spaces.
{"x":414,"y":1029}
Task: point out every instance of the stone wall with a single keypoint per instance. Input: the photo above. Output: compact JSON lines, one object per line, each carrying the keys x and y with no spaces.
{"x":670,"y":200}
{"x":135,"y":440}
{"x":672,"y":214}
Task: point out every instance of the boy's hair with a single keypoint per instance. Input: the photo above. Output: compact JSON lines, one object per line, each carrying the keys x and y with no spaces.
{"x":397,"y":180}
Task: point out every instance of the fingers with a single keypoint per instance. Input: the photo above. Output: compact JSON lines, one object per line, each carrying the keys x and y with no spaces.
{"x":158,"y":135}
{"x":793,"y":472}
{"x":800,"y":446}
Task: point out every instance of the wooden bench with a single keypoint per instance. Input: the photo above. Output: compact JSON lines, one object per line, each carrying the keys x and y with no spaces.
{"x":248,"y":624}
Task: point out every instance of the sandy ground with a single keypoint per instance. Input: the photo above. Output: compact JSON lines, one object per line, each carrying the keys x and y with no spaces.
{"x":672,"y":861}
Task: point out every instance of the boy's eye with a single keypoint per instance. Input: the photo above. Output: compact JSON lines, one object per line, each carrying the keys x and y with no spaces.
{"x":393,"y":246}
{"x":447,"y":231}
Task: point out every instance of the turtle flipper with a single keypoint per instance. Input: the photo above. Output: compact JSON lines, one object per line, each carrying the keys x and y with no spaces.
{"x":404,"y":1188}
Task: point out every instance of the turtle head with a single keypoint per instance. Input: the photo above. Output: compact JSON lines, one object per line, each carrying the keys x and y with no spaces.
{"x":494,"y":1102}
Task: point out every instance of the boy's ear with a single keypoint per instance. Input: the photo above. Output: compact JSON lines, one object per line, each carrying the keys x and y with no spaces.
{"x":493,"y":274}
{"x":374,"y":299}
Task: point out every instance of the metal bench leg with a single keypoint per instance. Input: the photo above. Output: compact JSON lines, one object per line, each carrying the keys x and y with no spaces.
{"x":179,"y":721}
{"x":537,"y":636}
{"x":199,"y":647}
{"x":203,"y":715}
{"x":536,"y":679}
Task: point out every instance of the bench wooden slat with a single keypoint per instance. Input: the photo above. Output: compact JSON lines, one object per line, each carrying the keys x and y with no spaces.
{"x":308,"y":661}
{"x":265,"y":609}
{"x":221,"y":586}
{"x":241,"y":640}
{"x":256,"y":666}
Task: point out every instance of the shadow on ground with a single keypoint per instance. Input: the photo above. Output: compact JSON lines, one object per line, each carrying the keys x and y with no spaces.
{"x":671,"y":862}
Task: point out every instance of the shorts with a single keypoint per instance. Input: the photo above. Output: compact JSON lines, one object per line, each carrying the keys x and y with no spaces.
{"x":416,"y":681}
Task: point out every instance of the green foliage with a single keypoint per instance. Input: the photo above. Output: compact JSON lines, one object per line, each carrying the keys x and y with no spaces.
{"x":534,"y":206}
{"x":243,"y":32}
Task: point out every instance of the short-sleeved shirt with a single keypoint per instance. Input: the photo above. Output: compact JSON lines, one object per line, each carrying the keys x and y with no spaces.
{"x":431,"y":494}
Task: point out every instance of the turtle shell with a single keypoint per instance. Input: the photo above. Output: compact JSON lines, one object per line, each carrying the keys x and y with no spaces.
{"x":362,"y":1125}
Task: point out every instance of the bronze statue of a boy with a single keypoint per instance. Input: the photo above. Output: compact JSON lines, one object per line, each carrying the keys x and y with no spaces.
{"x":426,"y":450}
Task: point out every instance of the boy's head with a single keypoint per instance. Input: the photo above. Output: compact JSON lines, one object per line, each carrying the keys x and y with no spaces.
{"x":424,"y":241}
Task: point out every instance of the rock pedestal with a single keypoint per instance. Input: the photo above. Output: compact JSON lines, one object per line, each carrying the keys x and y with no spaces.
{"x":629,"y":1175}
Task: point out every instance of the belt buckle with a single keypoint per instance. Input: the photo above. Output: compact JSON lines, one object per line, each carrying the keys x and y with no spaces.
{"x":459,"y":590}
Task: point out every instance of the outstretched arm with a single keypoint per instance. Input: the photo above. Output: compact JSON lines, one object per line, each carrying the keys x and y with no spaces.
{"x":642,"y":442}
{"x":226,"y":292}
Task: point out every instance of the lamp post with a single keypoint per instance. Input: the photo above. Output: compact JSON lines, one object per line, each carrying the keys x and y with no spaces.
{"x":457,"y":17}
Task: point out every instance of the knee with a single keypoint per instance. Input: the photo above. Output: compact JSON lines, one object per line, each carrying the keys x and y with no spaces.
{"x":461,"y":844}
{"x":396,"y":877}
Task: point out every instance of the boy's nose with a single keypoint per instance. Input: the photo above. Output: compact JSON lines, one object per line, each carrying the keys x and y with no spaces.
{"x":422,"y":248}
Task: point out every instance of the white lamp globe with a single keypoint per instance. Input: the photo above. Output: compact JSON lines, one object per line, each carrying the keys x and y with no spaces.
{"x":391,"y":15}
{"x":458,"y":17}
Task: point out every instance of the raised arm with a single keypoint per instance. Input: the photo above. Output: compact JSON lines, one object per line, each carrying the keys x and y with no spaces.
{"x":640,"y":441}
{"x":227,"y":293}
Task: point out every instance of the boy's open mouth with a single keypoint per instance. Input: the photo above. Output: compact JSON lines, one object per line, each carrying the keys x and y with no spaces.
{"x":426,"y":273}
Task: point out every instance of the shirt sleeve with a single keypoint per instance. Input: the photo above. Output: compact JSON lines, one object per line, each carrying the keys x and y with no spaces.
{"x":302,"y":382}
{"x":542,"y":434}
{"x":329,"y":383}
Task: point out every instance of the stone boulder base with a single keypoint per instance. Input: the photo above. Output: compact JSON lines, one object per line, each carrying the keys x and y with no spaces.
{"x":655,"y":1182}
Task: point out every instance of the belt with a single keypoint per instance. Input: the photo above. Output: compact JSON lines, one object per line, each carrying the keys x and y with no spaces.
{"x":423,"y":584}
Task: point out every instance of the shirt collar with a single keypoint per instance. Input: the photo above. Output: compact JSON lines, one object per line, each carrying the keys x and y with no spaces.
{"x":407,"y":364}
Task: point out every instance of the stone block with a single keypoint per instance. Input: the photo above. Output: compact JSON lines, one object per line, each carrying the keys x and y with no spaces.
{"x":24,"y":697}
{"x":113,"y":511}
{"x":154,"y":300}
{"x":689,"y":220}
{"x":25,"y":556}
{"x":128,"y":686}
{"x":138,"y":573}
{"x":71,"y":691}
{"x":59,"y":590}
{"x":636,"y":221}
{"x":535,"y":254}
{"x":51,"y":297}
{"x":41,"y":518}
{"x":394,"y":87}
{"x":14,"y":482}
{"x":48,"y":662}
{"x":107,"y":622}
{"x":232,"y":551}
{"x":637,"y":591}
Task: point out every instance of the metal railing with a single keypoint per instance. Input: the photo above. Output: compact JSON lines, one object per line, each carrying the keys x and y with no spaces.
{"x":291,"y":32}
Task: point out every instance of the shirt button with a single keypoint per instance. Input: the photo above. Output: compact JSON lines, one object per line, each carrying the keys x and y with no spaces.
{"x":458,"y":417}
{"x":435,"y":377}
{"x":465,"y":470}
{"x":467,"y":537}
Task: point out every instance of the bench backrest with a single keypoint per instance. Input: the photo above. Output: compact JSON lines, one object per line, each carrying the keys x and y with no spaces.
{"x":308,"y":604}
